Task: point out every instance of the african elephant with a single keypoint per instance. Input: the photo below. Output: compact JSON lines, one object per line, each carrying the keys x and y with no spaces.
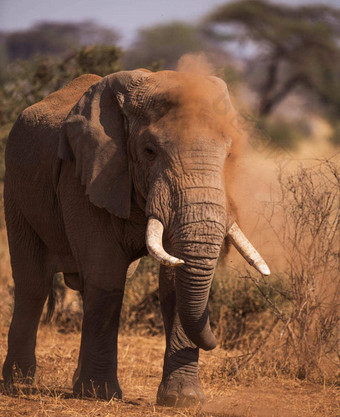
{"x":100,"y":173}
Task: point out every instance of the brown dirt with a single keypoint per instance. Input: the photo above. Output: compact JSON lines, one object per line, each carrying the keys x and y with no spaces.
{"x":140,"y":361}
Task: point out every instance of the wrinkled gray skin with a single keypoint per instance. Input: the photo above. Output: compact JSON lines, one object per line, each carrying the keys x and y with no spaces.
{"x":85,"y":168}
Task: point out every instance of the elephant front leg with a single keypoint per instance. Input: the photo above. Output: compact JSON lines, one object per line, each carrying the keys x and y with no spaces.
{"x":180,"y":385}
{"x":96,"y":375}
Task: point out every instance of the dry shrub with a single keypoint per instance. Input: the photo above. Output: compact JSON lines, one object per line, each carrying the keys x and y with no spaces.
{"x":235,"y":308}
{"x":141,"y":312}
{"x":301,"y":335}
{"x":68,"y":313}
{"x":310,"y":236}
{"x":6,"y":282}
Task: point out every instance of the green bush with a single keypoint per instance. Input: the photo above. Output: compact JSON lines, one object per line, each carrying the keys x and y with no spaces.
{"x":27,"y":82}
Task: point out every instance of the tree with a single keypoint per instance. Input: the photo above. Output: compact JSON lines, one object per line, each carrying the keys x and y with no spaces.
{"x":163,"y":44}
{"x":49,"y":38}
{"x":299,"y":47}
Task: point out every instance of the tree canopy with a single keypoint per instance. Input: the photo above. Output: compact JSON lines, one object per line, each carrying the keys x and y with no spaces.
{"x":298,"y":47}
{"x":52,"y":38}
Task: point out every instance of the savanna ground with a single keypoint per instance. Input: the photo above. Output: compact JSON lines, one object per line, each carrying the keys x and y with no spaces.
{"x":278,"y":352}
{"x":140,"y":372}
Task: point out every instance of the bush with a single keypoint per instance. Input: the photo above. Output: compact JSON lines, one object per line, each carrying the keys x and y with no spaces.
{"x":307,"y":343}
{"x":310,"y":234}
{"x":27,"y":82}
{"x":238,"y":311}
{"x":288,"y":323}
{"x":141,"y":312}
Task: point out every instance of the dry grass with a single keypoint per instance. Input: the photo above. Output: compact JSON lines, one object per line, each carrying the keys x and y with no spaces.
{"x":140,"y":374}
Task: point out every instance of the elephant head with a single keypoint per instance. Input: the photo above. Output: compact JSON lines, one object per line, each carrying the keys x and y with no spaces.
{"x":162,"y":140}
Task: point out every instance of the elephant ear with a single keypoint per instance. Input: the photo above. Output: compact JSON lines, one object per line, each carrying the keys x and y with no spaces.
{"x":95,"y":134}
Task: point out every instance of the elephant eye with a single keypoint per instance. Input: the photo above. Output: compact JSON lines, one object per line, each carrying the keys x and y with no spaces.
{"x":149,"y":152}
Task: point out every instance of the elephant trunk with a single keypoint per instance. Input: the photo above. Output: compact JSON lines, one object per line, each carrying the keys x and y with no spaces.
{"x":198,"y":244}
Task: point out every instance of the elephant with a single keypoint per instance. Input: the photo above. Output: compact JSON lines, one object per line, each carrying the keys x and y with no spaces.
{"x":101,"y":173}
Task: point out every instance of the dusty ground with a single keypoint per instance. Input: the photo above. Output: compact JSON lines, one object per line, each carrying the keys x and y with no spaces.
{"x":140,"y":360}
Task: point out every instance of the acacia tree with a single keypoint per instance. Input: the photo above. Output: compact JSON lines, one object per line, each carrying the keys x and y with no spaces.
{"x":298,"y":45}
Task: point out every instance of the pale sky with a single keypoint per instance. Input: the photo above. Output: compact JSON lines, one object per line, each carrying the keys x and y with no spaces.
{"x":126,"y":16}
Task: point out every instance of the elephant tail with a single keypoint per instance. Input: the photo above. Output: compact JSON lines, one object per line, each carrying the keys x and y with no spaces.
{"x":50,"y":306}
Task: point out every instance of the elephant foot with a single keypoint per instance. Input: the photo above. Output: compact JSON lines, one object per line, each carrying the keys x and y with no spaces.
{"x":95,"y":389}
{"x":180,"y":391}
{"x":18,"y":371}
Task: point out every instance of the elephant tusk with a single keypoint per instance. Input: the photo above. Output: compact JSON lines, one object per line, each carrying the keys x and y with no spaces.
{"x":247,"y":250}
{"x":154,"y":234}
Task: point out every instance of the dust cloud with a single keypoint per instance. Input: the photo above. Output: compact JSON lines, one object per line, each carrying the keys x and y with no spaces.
{"x":204,"y":84}
{"x":256,"y":188}
{"x":196,"y":64}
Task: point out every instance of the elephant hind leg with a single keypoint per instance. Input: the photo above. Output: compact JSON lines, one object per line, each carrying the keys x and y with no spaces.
{"x":20,"y":362}
{"x":33,"y":280}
